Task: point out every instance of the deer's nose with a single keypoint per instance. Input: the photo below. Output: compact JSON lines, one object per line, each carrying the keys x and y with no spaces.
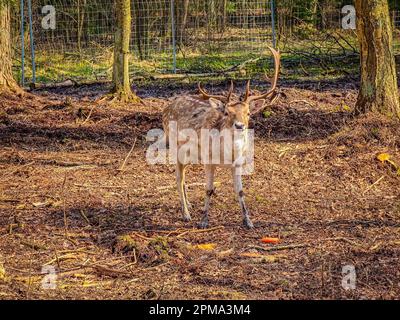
{"x":239,"y":125}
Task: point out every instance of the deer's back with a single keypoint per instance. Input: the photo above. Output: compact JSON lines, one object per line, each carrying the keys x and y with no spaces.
{"x":192,"y":112}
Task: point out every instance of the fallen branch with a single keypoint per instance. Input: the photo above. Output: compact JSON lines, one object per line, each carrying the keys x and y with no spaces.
{"x":89,"y":115}
{"x":111,"y":272}
{"x":199,"y":231}
{"x":373,"y":185}
{"x":342,"y":239}
{"x":33,"y":245}
{"x":57,"y":259}
{"x":64,"y":205}
{"x":64,"y":84}
{"x":99,"y":186}
{"x":241,"y":65}
{"x":127,"y":157}
{"x":142,"y":237}
{"x":66,"y":164}
{"x":157,"y":266}
{"x":301,"y":101}
{"x":304,"y":70}
{"x":84,"y":216}
{"x":16,"y":170}
{"x":178,"y":232}
{"x":302,"y":245}
{"x":279,"y":248}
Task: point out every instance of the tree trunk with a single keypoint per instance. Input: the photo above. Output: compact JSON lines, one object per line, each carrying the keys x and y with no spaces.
{"x":81,"y":8}
{"x":165,"y":15}
{"x":122,"y":87}
{"x":224,"y":15}
{"x":182,"y":32}
{"x":323,"y":7}
{"x":142,"y":25}
{"x":314,"y":13}
{"x":378,"y":89}
{"x":7,"y":82}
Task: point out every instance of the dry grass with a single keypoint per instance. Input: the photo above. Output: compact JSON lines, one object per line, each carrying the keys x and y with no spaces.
{"x":118,"y":235}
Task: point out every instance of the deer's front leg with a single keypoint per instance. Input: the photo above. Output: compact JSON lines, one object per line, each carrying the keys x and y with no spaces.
{"x":210,"y":171}
{"x":188,"y":204}
{"x":238,"y":185}
{"x":180,"y":180}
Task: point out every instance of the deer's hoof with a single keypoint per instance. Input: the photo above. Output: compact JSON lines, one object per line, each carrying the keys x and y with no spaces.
{"x":248,"y":224}
{"x":204,"y":223}
{"x":187,"y":218}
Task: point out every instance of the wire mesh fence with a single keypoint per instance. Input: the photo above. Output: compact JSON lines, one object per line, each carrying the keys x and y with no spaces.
{"x":74,"y":38}
{"x":167,"y":35}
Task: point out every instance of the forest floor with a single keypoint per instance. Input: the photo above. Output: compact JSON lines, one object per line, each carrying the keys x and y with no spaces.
{"x":111,"y":234}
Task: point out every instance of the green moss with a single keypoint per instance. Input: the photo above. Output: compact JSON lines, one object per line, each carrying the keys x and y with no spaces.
{"x":261,"y":199}
{"x":375,"y":133}
{"x":267,"y":114}
{"x":161,"y":246}
{"x":127,"y":242}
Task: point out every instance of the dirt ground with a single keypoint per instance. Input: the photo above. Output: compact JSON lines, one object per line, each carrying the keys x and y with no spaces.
{"x":112,"y":234}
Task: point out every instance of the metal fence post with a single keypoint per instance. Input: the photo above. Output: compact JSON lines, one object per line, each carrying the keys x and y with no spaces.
{"x":173,"y":34}
{"x":273,"y":23}
{"x":22,"y":45}
{"x":32,"y":42}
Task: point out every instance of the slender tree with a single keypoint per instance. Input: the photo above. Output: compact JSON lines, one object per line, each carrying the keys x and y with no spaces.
{"x":183,"y":19}
{"x":7,"y":81}
{"x":122,"y":87}
{"x":378,"y":91}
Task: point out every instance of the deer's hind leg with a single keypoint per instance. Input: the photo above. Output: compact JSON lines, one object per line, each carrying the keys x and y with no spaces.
{"x":180,"y":180}
{"x":188,"y":204}
{"x":210,"y":190}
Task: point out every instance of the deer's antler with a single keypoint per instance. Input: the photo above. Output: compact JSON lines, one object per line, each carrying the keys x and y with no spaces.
{"x":269,"y":93}
{"x":224,"y":99}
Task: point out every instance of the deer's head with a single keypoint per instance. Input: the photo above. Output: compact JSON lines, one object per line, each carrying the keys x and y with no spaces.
{"x":237,"y":113}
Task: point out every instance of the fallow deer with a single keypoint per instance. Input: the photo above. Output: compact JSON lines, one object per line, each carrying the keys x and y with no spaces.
{"x":207,"y":111}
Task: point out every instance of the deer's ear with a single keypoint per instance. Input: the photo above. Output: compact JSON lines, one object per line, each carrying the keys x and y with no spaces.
{"x":216,"y":103}
{"x":257,"y":106}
